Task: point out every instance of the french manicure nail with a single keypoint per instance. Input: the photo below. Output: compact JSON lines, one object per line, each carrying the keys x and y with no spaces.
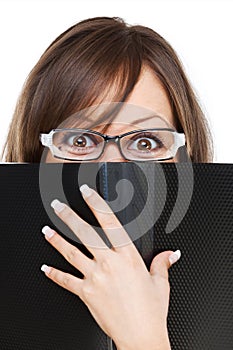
{"x":57,"y":205}
{"x":85,"y":190}
{"x":47,"y":231}
{"x":174,"y":257}
{"x":45,"y":268}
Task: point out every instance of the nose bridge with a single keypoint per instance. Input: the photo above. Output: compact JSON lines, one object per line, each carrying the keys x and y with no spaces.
{"x":109,"y":138}
{"x":112,"y":151}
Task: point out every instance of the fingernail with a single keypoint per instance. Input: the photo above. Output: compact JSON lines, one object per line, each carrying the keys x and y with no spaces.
{"x":174,"y":257}
{"x":45,"y":268}
{"x":47,"y":231}
{"x":86,"y":191}
{"x":57,"y":205}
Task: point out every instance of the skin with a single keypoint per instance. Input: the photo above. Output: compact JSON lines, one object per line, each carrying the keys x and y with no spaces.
{"x":147,"y":93}
{"x":133,"y":310}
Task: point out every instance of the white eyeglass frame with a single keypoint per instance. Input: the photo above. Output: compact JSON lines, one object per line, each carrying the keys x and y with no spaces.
{"x":47,"y":140}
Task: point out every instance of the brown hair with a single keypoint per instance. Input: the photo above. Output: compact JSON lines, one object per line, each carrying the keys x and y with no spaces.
{"x":92,"y":59}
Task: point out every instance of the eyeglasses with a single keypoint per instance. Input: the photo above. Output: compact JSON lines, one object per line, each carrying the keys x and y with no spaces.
{"x":139,"y":145}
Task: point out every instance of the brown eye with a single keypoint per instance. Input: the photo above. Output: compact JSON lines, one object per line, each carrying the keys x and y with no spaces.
{"x":80,"y":141}
{"x":144,"y":144}
{"x":78,"y":145}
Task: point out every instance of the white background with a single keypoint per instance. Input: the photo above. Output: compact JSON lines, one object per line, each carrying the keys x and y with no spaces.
{"x":201,"y":32}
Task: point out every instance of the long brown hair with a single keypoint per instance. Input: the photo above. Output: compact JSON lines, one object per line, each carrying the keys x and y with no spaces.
{"x":95,"y":58}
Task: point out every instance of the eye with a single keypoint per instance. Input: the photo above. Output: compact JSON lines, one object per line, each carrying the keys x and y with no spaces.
{"x":80,"y":141}
{"x":77,"y":143}
{"x":75,"y":140}
{"x":145,"y":142}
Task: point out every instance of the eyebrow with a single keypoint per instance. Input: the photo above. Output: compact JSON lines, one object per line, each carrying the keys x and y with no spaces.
{"x":150,"y":117}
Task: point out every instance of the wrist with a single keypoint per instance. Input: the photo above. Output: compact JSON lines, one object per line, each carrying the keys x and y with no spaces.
{"x":161,"y":343}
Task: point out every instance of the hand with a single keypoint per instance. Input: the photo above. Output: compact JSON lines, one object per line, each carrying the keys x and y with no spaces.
{"x":128,"y":302}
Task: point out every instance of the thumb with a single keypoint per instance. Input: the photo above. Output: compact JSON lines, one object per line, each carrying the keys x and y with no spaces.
{"x":163,"y":261}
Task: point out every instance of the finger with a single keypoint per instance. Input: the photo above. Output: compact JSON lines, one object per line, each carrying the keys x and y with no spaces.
{"x":87,"y":235}
{"x":163,"y":261}
{"x":72,"y":254}
{"x":63,"y":279}
{"x":107,"y":219}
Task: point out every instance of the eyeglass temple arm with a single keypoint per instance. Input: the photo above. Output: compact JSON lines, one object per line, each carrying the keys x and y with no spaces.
{"x":180,"y":140}
{"x":46,"y":139}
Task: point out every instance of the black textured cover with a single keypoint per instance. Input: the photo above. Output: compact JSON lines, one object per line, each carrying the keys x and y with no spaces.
{"x":36,"y":314}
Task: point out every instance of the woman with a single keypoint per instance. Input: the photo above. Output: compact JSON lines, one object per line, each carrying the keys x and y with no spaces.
{"x":99,"y":61}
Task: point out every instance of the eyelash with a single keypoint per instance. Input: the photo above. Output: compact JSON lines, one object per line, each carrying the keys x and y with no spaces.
{"x":66,"y":137}
{"x":149,"y":135}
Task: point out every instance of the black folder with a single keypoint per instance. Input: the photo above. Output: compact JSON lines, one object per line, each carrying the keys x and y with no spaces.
{"x":162,"y":205}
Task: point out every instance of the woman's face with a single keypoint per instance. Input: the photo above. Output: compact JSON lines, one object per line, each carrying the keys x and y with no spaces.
{"x":147,"y":93}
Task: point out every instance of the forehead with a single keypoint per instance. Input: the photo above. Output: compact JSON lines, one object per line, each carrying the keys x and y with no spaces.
{"x":116,"y":117}
{"x":147,"y":106}
{"x":150,"y":94}
{"x":148,"y":102}
{"x":132,"y":118}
